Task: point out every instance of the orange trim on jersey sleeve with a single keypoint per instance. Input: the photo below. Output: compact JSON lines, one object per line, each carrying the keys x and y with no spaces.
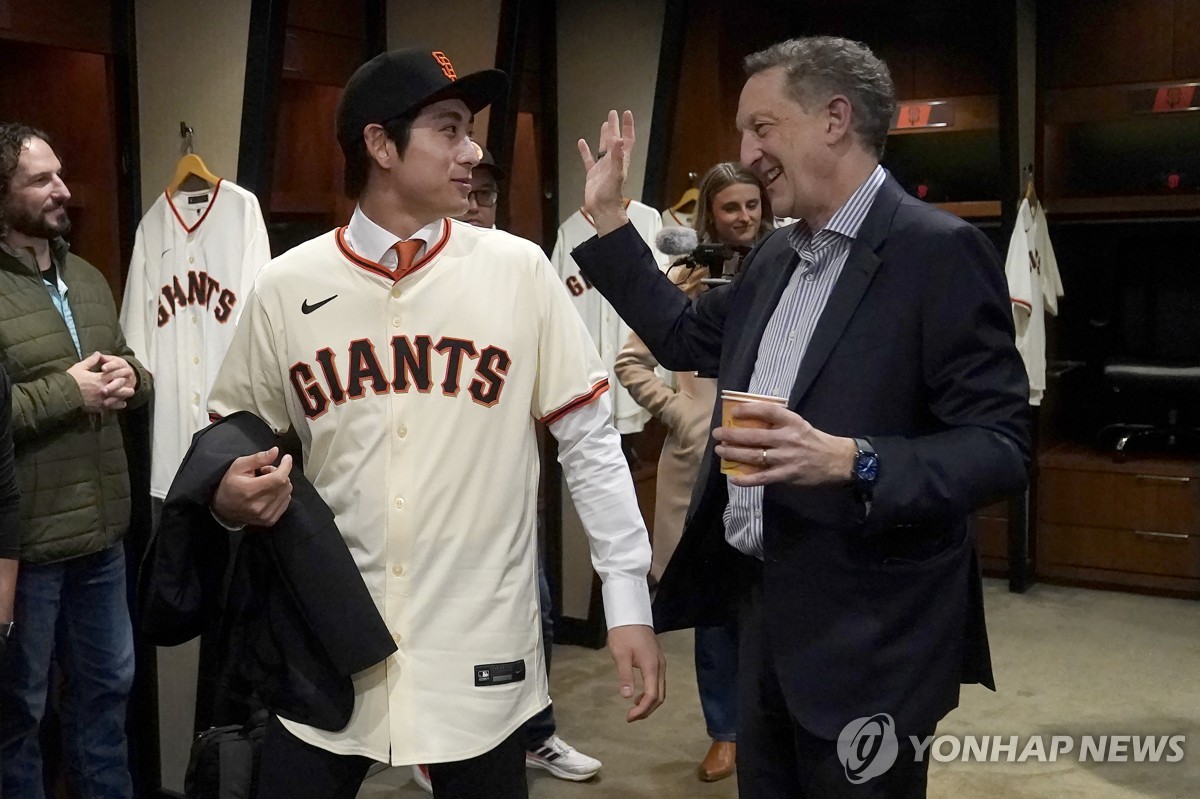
{"x":578,"y":402}
{"x":203,"y":216}
{"x":376,"y":268}
{"x":1022,"y":303}
{"x":213,"y":418}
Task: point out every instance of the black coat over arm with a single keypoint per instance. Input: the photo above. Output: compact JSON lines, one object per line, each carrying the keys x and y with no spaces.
{"x":291,"y":623}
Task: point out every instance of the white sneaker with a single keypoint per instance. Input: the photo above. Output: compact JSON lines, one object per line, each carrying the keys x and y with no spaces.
{"x":421,"y":778}
{"x":563,"y":761}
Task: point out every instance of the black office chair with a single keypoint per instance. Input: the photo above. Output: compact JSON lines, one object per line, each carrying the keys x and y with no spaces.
{"x":1156,"y":373}
{"x":1179,"y":382}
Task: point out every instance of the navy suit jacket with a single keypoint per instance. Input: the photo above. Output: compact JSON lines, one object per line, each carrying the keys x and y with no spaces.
{"x":867,"y":612}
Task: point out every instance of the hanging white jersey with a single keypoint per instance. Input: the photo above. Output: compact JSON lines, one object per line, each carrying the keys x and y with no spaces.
{"x":608,"y":330}
{"x":195,"y":257}
{"x":1034,"y":286}
{"x":672,"y":218}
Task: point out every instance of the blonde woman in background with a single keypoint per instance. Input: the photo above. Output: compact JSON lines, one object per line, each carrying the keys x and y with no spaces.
{"x":732,"y":209}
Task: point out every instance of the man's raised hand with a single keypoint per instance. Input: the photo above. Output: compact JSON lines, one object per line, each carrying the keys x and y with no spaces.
{"x":604,"y":188}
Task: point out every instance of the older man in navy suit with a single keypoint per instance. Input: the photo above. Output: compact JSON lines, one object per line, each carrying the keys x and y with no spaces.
{"x":886,"y":324}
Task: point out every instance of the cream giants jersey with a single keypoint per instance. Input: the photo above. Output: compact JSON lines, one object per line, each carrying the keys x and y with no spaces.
{"x":415,"y":401}
{"x":195,"y":257}
{"x":608,"y":330}
{"x":1034,"y":287}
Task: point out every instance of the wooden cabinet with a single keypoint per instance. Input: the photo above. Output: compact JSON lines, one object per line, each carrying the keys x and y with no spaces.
{"x":61,"y":71}
{"x":321,"y":52}
{"x":1132,"y":524}
{"x":1120,"y":114}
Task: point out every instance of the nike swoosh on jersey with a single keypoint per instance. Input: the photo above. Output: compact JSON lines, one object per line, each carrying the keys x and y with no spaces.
{"x":306,"y":308}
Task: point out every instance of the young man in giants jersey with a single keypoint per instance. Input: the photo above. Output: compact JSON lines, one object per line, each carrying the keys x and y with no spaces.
{"x":412,"y":356}
{"x":544,"y":748}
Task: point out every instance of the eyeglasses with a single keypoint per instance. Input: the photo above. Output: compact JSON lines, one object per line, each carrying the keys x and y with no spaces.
{"x":484,"y":198}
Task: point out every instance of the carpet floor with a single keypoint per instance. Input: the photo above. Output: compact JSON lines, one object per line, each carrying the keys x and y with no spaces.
{"x":1069,"y":662}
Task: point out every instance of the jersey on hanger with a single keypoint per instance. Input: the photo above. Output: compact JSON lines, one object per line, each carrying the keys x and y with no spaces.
{"x":608,"y":330}
{"x":672,"y":218}
{"x":195,"y":257}
{"x":1034,"y":286}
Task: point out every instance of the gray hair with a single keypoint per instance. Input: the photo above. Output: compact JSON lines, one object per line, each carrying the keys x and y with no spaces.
{"x":818,"y":67}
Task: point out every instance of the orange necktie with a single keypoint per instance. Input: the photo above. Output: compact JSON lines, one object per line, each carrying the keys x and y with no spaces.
{"x":406,"y":251}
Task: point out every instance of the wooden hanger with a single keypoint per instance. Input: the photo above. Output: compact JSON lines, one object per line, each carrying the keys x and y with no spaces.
{"x":690,"y":197}
{"x":1030,"y":192}
{"x":191,"y":168}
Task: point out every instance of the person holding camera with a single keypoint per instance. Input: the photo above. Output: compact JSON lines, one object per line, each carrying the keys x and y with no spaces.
{"x":733,"y":211}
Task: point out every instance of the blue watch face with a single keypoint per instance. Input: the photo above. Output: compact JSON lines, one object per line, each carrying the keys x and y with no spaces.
{"x":866,"y":467}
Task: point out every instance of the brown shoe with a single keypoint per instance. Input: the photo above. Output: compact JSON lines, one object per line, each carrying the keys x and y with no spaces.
{"x":718,"y":763}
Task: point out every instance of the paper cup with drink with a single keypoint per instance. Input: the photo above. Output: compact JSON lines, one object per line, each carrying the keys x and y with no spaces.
{"x":734,"y":399}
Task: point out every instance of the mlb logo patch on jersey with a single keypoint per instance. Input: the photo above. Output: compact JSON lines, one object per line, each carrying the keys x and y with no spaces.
{"x":499,"y":673}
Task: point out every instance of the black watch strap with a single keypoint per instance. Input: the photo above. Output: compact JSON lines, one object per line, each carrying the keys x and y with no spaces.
{"x":866,"y":466}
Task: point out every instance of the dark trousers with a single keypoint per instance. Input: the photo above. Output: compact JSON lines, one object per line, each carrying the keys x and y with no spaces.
{"x":779,"y":759}
{"x":543,"y":725}
{"x":498,"y":774}
{"x":716,"y":654}
{"x":293,"y":769}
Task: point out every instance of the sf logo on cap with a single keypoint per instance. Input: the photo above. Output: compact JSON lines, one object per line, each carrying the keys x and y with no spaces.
{"x":444,"y":61}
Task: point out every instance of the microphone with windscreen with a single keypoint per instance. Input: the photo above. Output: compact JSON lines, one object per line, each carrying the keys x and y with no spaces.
{"x":676,"y":241}
{"x":720,"y":259}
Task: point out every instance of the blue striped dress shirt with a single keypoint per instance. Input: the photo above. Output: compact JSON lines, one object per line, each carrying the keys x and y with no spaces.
{"x":823,"y":254}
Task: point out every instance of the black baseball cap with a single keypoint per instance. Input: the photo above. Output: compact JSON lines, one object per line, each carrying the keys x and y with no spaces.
{"x":393,"y":83}
{"x":485,"y":159}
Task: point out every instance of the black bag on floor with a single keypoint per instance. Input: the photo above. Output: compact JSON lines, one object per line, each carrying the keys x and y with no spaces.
{"x":224,"y":761}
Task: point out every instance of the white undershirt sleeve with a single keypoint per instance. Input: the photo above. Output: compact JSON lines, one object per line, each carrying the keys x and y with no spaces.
{"x":589,"y":450}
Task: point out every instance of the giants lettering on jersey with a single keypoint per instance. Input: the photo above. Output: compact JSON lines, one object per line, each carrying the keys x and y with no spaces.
{"x":200,"y":291}
{"x":577,"y":284}
{"x":412,"y":363}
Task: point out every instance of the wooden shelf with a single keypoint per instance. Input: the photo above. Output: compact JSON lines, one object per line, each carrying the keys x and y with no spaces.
{"x":1134,"y":205}
{"x":972,"y":209}
{"x":975,"y":112}
{"x":303,"y":202}
{"x":318,"y":57}
{"x":1095,"y":104}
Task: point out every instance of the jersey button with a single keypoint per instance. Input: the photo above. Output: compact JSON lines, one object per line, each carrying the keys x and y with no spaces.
{"x":399,"y":503}
{"x":396,"y":637}
{"x":402,"y":431}
{"x":191,"y":260}
{"x":396,"y":322}
{"x":196,"y":359}
{"x":396,"y":292}
{"x":397,"y":570}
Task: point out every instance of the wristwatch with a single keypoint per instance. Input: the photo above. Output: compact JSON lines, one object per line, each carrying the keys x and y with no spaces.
{"x":866,"y":467}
